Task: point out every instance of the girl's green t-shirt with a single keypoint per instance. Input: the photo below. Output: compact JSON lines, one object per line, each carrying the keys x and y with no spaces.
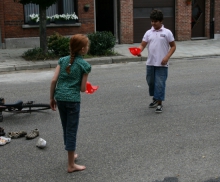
{"x":68,"y":85}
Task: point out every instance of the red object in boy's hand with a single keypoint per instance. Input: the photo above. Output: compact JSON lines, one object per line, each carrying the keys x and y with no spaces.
{"x":135,"y":51}
{"x":90,"y":89}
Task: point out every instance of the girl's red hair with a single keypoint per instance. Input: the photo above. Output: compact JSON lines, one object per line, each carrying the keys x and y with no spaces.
{"x":77,"y":42}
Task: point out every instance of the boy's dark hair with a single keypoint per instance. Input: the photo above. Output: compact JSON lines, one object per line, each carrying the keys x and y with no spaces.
{"x":156,"y":15}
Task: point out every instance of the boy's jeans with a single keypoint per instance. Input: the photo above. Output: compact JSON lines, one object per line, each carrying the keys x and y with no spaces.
{"x":69,"y":115}
{"x":156,"y":78}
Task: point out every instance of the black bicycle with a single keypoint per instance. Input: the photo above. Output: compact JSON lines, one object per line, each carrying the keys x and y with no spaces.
{"x":21,"y":107}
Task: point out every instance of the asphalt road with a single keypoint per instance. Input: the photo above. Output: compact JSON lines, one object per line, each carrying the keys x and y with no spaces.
{"x":120,"y":139}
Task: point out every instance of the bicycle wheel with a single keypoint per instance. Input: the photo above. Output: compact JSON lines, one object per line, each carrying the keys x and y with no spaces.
{"x":29,"y":107}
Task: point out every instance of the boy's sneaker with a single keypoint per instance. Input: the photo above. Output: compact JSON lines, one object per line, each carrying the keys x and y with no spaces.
{"x":153,"y":104}
{"x":159,"y":109}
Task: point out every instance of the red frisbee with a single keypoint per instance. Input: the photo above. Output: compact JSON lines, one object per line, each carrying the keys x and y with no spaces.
{"x":135,"y":51}
{"x":90,"y":89}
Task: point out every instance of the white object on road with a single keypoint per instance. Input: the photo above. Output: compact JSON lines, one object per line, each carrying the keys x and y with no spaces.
{"x":41,"y":143}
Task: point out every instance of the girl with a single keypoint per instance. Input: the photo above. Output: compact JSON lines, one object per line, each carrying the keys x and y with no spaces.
{"x":70,"y":78}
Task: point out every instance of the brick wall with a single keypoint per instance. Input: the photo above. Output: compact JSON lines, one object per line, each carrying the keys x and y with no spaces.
{"x":126,"y":21}
{"x":217,"y":17}
{"x":86,"y":18}
{"x":183,"y":20}
{"x":14,"y":19}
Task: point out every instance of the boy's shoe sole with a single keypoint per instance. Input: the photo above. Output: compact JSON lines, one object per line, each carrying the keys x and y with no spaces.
{"x":159,"y":109}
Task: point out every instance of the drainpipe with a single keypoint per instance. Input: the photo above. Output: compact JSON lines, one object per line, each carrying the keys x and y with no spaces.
{"x":94,"y":15}
{"x":2,"y":45}
{"x":119,"y":20}
{"x":0,"y":38}
{"x":116,"y":20}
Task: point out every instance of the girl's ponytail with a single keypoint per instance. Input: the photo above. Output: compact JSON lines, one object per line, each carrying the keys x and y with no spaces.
{"x":72,"y":56}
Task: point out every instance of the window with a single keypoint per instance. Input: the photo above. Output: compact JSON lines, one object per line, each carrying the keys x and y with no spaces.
{"x":61,"y":7}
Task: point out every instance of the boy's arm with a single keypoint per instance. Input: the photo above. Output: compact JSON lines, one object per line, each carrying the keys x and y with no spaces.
{"x":142,"y":46}
{"x":169,"y":54}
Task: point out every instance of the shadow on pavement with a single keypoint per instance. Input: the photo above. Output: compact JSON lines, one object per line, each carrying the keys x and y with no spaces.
{"x":174,"y":179}
{"x":213,"y":180}
{"x":168,"y":179}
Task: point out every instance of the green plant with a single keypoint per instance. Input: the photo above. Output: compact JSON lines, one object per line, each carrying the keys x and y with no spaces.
{"x":101,"y":43}
{"x":65,"y":17}
{"x":34,"y":17}
{"x":58,"y":44}
{"x":37,"y":54}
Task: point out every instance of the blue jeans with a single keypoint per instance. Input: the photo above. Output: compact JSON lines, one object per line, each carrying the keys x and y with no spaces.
{"x":69,"y":115}
{"x":156,"y":79}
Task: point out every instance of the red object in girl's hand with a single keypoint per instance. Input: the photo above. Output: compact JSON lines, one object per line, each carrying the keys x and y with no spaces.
{"x":90,"y":89}
{"x":135,"y":51}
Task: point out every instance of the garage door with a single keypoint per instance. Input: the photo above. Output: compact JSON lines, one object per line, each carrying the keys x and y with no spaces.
{"x":142,"y":22}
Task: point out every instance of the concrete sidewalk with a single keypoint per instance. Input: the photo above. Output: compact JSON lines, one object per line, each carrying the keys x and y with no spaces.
{"x":11,"y":60}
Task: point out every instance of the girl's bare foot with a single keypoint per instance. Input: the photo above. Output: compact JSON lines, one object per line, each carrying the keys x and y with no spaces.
{"x":75,"y":167}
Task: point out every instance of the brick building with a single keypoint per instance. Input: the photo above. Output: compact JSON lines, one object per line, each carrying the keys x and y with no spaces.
{"x":126,"y":19}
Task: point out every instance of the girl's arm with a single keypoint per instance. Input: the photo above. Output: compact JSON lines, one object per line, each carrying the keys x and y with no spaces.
{"x":52,"y":88}
{"x":83,"y":83}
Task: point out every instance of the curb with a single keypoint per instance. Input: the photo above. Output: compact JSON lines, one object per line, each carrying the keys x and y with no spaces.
{"x":114,"y":59}
{"x":53,"y":63}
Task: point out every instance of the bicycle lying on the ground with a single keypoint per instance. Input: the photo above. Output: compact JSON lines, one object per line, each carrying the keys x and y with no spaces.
{"x":20,"y":107}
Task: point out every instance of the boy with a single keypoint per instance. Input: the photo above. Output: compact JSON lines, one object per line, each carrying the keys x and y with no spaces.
{"x":161,"y":46}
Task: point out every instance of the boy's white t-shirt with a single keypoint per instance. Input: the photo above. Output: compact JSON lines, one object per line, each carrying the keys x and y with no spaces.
{"x":158,"y":45}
